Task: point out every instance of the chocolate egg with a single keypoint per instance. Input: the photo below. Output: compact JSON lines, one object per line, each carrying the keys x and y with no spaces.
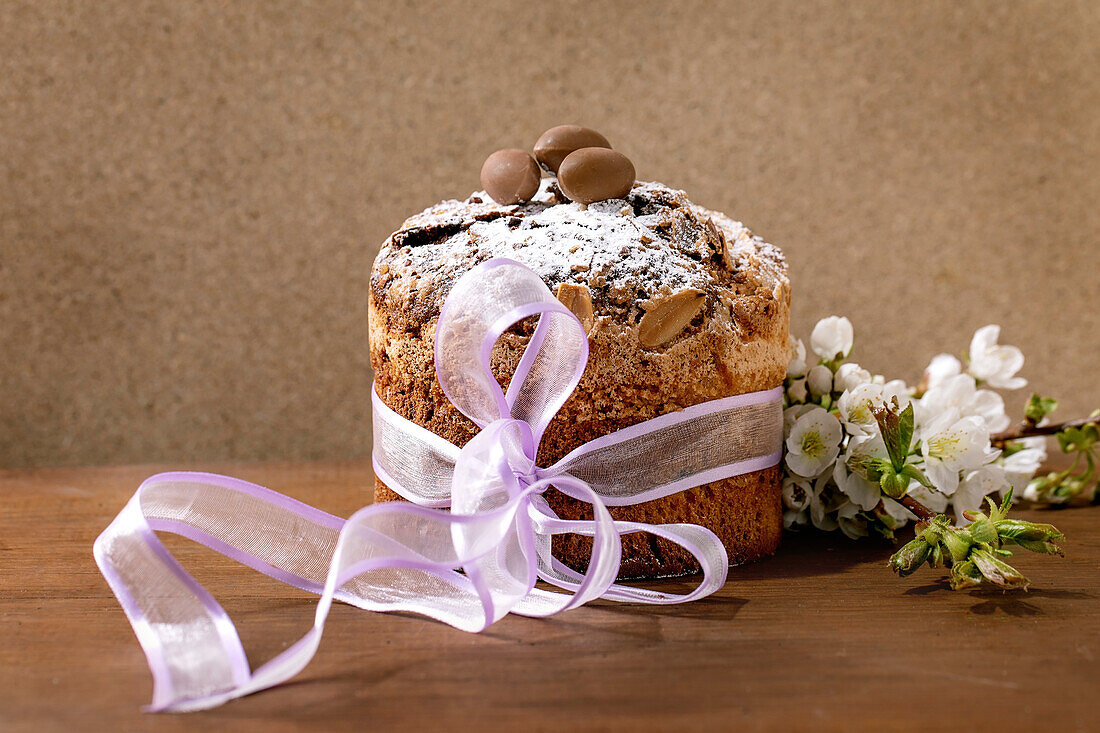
{"x":558,"y":142}
{"x":510,"y":176}
{"x":595,"y":174}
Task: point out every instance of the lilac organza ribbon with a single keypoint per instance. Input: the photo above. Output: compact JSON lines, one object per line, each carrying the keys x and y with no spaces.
{"x":467,"y":567}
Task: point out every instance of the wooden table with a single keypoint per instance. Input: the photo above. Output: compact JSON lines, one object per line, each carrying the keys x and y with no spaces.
{"x":820,"y":637}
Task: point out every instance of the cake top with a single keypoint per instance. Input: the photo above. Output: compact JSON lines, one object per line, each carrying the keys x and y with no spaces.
{"x":626,"y":251}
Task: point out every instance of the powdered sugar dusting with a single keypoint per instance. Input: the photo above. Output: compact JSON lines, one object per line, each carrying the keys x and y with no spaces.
{"x":624,"y":250}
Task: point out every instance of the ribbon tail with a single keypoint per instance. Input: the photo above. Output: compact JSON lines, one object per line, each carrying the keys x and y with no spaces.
{"x":386,"y":557}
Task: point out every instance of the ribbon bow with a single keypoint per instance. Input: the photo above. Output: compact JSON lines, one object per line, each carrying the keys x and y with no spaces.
{"x":467,"y":567}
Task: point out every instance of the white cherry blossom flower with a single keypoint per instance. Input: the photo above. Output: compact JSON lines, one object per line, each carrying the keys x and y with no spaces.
{"x":990,"y":407}
{"x":847,"y":516}
{"x":832,"y":337}
{"x":813,"y":443}
{"x":950,"y":394}
{"x":975,"y":487}
{"x":996,"y":365}
{"x":860,"y":491}
{"x":796,"y":493}
{"x":866,"y":494}
{"x":942,"y":367}
{"x":797,"y":366}
{"x":822,"y":516}
{"x":856,"y":408}
{"x":850,"y":376}
{"x":959,"y":394}
{"x":795,"y":518}
{"x":896,"y":388}
{"x":1021,"y":466}
{"x":820,"y":380}
{"x":791,"y":415}
{"x":950,"y":445}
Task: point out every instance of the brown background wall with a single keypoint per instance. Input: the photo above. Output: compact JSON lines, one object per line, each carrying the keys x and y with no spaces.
{"x":191,"y":194}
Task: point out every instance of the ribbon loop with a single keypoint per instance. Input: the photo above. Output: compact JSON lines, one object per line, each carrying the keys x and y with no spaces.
{"x":481,"y":306}
{"x":467,"y":567}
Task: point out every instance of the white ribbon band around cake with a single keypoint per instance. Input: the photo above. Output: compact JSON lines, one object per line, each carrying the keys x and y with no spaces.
{"x":467,"y":567}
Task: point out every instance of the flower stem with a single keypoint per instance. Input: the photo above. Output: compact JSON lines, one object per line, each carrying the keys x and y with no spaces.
{"x":917,"y":508}
{"x":1027,"y":430}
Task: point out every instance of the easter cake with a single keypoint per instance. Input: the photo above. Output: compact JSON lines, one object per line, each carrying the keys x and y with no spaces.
{"x":681,"y":304}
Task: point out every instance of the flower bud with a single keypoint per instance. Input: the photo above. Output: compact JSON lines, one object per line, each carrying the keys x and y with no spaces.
{"x":958,"y":544}
{"x":910,"y":557}
{"x":832,"y":337}
{"x":797,"y":391}
{"x":820,"y":380}
{"x":1018,"y":529}
{"x":849,"y":376}
{"x":1035,"y":537}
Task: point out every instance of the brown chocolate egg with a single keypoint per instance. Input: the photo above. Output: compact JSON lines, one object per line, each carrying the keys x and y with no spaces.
{"x":558,"y":142}
{"x":595,"y":174}
{"x":510,"y":176}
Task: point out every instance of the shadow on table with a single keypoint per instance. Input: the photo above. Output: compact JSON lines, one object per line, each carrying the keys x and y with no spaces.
{"x":1010,"y":603}
{"x":716,"y":607}
{"x":812,"y":553}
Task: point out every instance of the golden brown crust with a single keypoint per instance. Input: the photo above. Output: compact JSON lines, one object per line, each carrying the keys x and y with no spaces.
{"x":737,"y":343}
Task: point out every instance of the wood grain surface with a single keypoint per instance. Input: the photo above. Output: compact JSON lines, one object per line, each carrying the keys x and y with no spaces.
{"x":821,"y":637}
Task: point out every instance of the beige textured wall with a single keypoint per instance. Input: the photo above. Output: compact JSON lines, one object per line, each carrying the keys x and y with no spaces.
{"x":191,"y":194}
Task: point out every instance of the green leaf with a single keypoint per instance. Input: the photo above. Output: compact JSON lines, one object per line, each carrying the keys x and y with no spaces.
{"x":906,"y":422}
{"x":1039,"y":407}
{"x":983,"y":530}
{"x":912,"y":472}
{"x":1078,"y":439}
{"x":997,"y":571}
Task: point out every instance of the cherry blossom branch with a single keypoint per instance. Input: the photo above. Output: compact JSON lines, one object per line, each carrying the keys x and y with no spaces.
{"x":1029,"y":430}
{"x":917,"y":508}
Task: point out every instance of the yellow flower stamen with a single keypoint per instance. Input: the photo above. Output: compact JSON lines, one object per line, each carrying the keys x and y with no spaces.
{"x":943,"y":445}
{"x":812,"y":444}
